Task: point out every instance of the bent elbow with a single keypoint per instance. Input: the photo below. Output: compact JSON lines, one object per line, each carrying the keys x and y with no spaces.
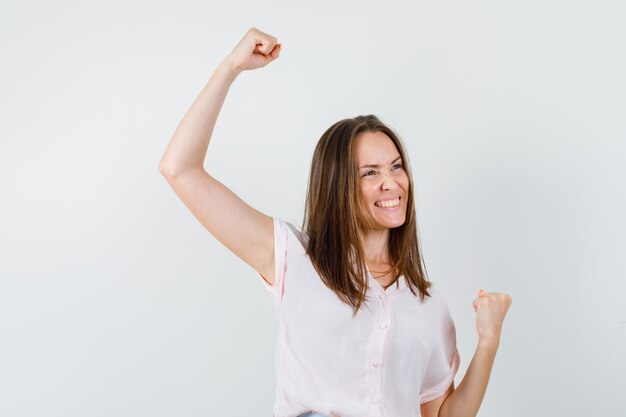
{"x":165,"y":170}
{"x":171,"y":172}
{"x":168,"y":170}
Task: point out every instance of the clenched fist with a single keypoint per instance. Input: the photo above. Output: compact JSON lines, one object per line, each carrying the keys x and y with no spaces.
{"x":490,"y":308}
{"x":255,"y":50}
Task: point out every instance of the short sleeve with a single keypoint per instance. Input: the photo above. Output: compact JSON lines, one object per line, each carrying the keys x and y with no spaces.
{"x":444,"y":360}
{"x":280,"y":255}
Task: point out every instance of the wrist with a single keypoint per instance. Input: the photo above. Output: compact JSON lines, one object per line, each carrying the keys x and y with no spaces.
{"x":489,"y":341}
{"x":228,"y":66}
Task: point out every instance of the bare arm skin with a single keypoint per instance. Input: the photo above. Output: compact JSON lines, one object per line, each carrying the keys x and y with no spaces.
{"x":242,"y":229}
{"x":465,"y":401}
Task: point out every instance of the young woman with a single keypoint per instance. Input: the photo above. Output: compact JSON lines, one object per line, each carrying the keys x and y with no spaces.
{"x":362,"y":332}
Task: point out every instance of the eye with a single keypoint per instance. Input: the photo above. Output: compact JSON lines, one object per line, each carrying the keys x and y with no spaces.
{"x":367,"y":173}
{"x":397,"y":166}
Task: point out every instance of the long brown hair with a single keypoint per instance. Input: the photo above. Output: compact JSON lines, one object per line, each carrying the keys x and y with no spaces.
{"x":332,"y":220}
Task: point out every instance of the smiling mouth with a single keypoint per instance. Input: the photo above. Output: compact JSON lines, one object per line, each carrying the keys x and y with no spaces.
{"x":388,"y":203}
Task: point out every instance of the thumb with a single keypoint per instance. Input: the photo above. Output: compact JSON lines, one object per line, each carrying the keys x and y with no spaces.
{"x":273,"y":54}
{"x":266,"y":46}
{"x":475,"y":302}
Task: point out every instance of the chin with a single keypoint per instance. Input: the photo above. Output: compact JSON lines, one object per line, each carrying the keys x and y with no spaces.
{"x":387,"y":224}
{"x":396,"y":225}
{"x":390,"y":221}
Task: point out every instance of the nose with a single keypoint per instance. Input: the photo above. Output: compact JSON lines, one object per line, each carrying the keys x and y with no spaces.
{"x":389,"y":183}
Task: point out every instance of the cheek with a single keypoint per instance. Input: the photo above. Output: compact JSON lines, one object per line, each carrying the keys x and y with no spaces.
{"x":362,"y":199}
{"x":363,"y":194}
{"x":405,"y":183}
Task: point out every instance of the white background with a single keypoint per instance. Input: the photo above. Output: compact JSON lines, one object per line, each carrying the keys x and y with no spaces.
{"x":114,"y":301}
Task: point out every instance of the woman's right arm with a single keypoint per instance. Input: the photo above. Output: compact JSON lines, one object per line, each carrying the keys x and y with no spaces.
{"x":244,"y":230}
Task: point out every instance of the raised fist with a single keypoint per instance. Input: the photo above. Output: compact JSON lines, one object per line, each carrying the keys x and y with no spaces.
{"x":255,"y":50}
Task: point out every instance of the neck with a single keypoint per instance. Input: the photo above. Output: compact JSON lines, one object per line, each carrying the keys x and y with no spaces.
{"x":376,"y":245}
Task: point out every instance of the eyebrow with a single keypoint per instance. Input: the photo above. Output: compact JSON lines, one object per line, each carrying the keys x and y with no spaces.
{"x":378,"y":166}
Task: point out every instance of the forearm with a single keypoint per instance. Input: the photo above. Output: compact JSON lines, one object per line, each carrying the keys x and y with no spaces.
{"x":467,"y":397}
{"x":190,"y":141}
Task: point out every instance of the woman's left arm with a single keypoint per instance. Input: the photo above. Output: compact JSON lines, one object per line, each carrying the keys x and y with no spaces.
{"x":491,"y":308}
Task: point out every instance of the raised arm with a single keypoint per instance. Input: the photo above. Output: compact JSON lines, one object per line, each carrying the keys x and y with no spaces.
{"x":244,"y":230}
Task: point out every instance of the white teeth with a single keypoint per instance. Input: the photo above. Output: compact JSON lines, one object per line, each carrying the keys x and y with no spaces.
{"x":388,"y":204}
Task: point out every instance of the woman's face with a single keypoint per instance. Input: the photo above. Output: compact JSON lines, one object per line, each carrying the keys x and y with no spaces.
{"x":383,"y":183}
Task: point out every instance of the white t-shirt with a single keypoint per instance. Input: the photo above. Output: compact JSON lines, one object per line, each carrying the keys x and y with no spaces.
{"x":395,"y":354}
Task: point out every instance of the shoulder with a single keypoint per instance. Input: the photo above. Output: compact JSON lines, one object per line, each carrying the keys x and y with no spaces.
{"x":437,"y":304}
{"x":437,"y":297}
{"x":289,"y":231}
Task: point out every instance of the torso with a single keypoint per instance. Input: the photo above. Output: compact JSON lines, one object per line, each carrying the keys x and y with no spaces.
{"x":410,"y":341}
